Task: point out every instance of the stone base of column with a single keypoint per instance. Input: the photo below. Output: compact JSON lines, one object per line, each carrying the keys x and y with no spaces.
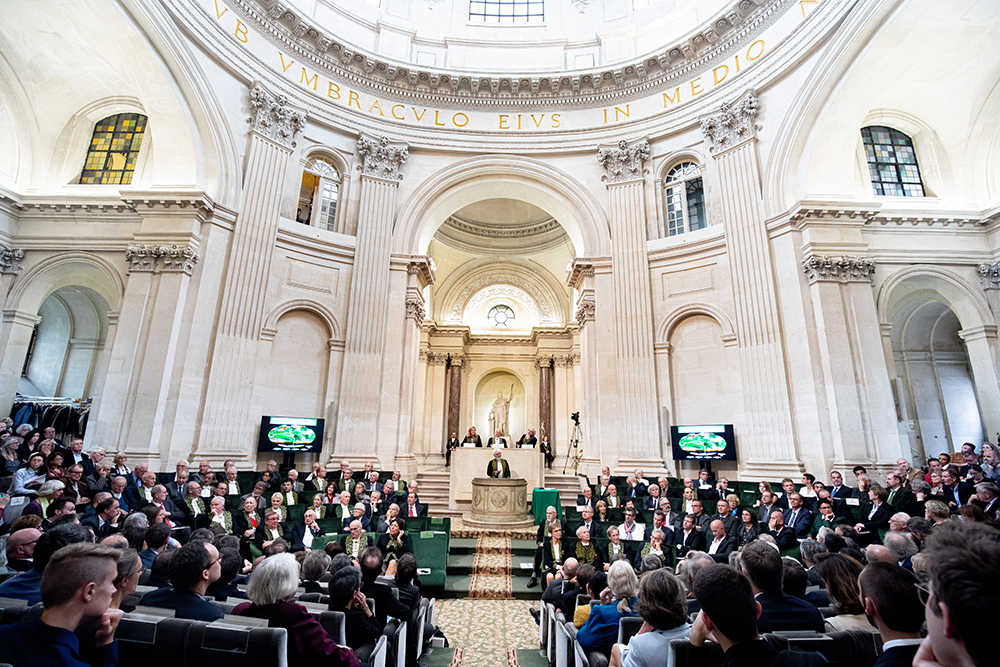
{"x":356,"y":461}
{"x":406,"y":464}
{"x":649,"y":467}
{"x":757,"y":469}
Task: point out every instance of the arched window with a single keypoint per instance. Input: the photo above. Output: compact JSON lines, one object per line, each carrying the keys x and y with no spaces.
{"x":319,"y":194}
{"x":114,"y":150}
{"x":507,"y":11}
{"x":892,"y":162}
{"x":684,"y":198}
{"x":501,"y":317}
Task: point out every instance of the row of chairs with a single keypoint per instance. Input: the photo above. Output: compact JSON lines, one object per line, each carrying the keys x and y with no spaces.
{"x":557,"y":638}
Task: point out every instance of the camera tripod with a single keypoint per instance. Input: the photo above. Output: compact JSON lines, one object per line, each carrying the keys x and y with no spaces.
{"x":576,"y":452}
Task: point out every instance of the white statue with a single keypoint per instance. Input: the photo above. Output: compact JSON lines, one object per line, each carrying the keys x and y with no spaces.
{"x":499,"y":413}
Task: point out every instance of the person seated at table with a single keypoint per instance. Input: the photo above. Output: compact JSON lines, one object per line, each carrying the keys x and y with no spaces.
{"x":497,"y":440}
{"x":472,"y":438}
{"x":618,"y":600}
{"x":394,"y":544}
{"x":271,"y":591}
{"x":554,"y":552}
{"x":498,"y":466}
{"x":615,"y":549}
{"x":528,"y":440}
{"x":652,"y":548}
{"x":586,"y":552}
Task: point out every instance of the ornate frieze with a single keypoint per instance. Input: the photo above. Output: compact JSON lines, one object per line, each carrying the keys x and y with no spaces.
{"x":271,"y":116}
{"x":838,"y":269}
{"x":733,"y":124}
{"x":989,"y":276}
{"x":161,"y":259}
{"x":625,"y":161}
{"x":380,"y":158}
{"x":566,"y":360}
{"x":10,"y":260}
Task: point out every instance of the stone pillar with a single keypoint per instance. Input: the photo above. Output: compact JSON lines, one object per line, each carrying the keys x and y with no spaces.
{"x":15,"y":331}
{"x":544,"y":365}
{"x":227,"y":425}
{"x":418,"y":276}
{"x":454,"y":396}
{"x":767,"y":444}
{"x":357,"y":422}
{"x":859,"y":404}
{"x":981,"y":344}
{"x":581,"y":279}
{"x":437,"y":410}
{"x":638,"y":426}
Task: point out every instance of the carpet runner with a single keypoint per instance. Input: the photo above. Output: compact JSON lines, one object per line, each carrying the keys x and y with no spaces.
{"x":491,"y":571}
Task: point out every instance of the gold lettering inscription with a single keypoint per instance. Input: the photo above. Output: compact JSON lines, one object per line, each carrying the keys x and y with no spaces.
{"x":436,"y":122}
{"x":241,"y":31}
{"x":538,"y":121}
{"x":284,"y":67}
{"x":715,"y":74}
{"x":618,"y":110}
{"x":393,"y":111}
{"x":418,"y":115}
{"x":673,"y":99}
{"x":307,"y":80}
{"x":503,"y":121}
{"x":556,"y":120}
{"x":334,"y":91}
{"x":454,"y":120}
{"x":696,"y":88}
{"x":219,"y":15}
{"x":759,"y":53}
{"x":802,"y":6}
{"x":376,"y":106}
{"x":352,"y":97}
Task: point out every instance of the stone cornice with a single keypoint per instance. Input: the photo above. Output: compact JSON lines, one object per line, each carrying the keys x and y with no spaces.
{"x":580,"y":268}
{"x":161,"y":259}
{"x":721,"y":36}
{"x":822,"y":268}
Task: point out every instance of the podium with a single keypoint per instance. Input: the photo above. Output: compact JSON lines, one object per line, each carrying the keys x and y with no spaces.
{"x":499,"y":504}
{"x":468,"y":463}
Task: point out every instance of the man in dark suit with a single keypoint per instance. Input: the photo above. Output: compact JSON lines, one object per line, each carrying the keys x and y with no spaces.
{"x":837,"y":487}
{"x":762,"y":566}
{"x":704,"y":487}
{"x":412,"y":507}
{"x":956,"y":492}
{"x":498,"y":466}
{"x":587,"y":514}
{"x":988,"y":498}
{"x":105,"y":519}
{"x":175,"y":515}
{"x":797,"y":517}
{"x":359,"y":515}
{"x":729,"y":616}
{"x":701,"y":520}
{"x":391,"y":513}
{"x":725,"y":515}
{"x":783,"y":535}
{"x":270,"y":531}
{"x":876,"y":519}
{"x":721,"y":545}
{"x":451,"y":445}
{"x":689,"y":538}
{"x":386,"y":604}
{"x":586,"y":499}
{"x":156,"y":541}
{"x":890,"y":598}
{"x":900,"y":497}
{"x":141,"y":495}
{"x":497,"y":440}
{"x":767,"y":506}
{"x":528,"y":439}
{"x":651,"y":500}
{"x":193,"y":568}
{"x":659,"y":523}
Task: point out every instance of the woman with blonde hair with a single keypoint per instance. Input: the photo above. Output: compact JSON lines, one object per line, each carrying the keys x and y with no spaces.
{"x":663,"y":608}
{"x":127,"y":578}
{"x":936,"y":512}
{"x":617,"y":601}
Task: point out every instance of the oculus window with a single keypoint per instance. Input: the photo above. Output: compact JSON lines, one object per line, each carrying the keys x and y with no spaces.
{"x":319,"y":194}
{"x":684,"y":199}
{"x":113,"y":150}
{"x":507,"y":11}
{"x":501,"y":317}
{"x":892,"y":162}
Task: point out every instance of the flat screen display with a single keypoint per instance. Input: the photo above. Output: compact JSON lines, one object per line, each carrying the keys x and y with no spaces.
{"x":703,"y":442}
{"x":290,"y":434}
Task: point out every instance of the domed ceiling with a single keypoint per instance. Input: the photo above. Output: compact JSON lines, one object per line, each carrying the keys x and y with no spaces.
{"x":501,"y":226}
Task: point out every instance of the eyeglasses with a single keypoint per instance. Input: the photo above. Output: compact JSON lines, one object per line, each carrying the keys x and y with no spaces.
{"x":923,"y":593}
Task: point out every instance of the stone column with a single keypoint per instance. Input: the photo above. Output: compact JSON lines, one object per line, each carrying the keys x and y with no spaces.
{"x":15,"y":331}
{"x":581,"y":279}
{"x":638,"y":426}
{"x":357,"y":422}
{"x":455,"y":395}
{"x":859,"y":404}
{"x":766,"y":441}
{"x":227,"y":425}
{"x":981,"y":344}
{"x":418,"y":276}
{"x":544,"y":365}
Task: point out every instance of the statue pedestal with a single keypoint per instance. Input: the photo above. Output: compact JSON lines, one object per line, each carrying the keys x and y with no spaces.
{"x":500,"y":504}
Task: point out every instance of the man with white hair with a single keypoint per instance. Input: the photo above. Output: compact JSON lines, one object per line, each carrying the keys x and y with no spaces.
{"x":355,"y":542}
{"x":897,"y":522}
{"x":901,"y":547}
{"x":987,"y":494}
{"x":358,"y":514}
{"x":528,"y":440}
{"x":497,"y":440}
{"x":498,"y":467}
{"x":343,"y":510}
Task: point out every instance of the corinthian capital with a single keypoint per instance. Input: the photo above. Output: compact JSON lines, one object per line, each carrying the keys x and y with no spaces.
{"x":733,"y":124}
{"x":271,"y":116}
{"x":624,"y":162}
{"x":161,"y":259}
{"x":382,"y":159}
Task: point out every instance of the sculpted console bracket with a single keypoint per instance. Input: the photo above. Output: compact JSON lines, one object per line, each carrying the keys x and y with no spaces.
{"x":382,"y":159}
{"x":272,"y":117}
{"x":161,"y":259}
{"x":10,"y":260}
{"x":838,"y":269}
{"x":624,"y":162}
{"x":989,"y":276}
{"x":733,"y":124}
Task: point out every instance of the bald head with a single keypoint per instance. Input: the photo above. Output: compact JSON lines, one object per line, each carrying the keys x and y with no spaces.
{"x":876,"y":553}
{"x":21,"y":545}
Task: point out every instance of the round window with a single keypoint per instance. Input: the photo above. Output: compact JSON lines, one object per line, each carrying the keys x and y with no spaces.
{"x":501,"y":317}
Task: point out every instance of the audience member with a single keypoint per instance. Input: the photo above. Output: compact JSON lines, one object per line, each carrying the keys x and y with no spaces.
{"x":386,"y":604}
{"x":664,"y":618}
{"x":598,"y":633}
{"x":127,"y":577}
{"x":230,"y":564}
{"x":192,"y":569}
{"x":360,"y":625}
{"x":762,"y":565}
{"x":28,"y":585}
{"x":840,"y":578}
{"x":890,"y":600}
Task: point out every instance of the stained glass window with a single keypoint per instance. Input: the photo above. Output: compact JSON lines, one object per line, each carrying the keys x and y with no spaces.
{"x":507,"y":11}
{"x":892,"y":162}
{"x":684,"y":196}
{"x":501,"y":317}
{"x":114,"y":150}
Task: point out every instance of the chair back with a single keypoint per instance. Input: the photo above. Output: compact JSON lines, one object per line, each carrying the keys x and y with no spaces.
{"x":399,"y":641}
{"x":153,"y":641}
{"x":628,"y":626}
{"x":335,"y":624}
{"x":249,"y":647}
{"x":378,"y":655}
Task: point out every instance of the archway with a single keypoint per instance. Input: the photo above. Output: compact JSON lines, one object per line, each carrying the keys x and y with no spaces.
{"x":500,"y":383}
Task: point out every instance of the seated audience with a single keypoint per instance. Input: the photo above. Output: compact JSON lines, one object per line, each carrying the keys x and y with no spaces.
{"x":386,"y":604}
{"x":355,"y":542}
{"x":360,"y":626}
{"x":794,"y":579}
{"x":193,"y":568}
{"x":77,"y":588}
{"x":618,"y":600}
{"x":761,"y":563}
{"x":304,"y":533}
{"x":21,"y":548}
{"x":729,"y":617}
{"x":890,"y":599}
{"x":595,"y":586}
{"x":586,"y":552}
{"x":664,"y":618}
{"x":784,"y":536}
{"x":270,"y":532}
{"x":230,"y":564}
{"x":271,"y":592}
{"x":27,"y":585}
{"x":748,"y":529}
{"x":937,"y":512}
{"x":127,"y":577}
{"x":721,"y":544}
{"x":840,"y":579}
{"x":553,"y":553}
{"x":394,"y":544}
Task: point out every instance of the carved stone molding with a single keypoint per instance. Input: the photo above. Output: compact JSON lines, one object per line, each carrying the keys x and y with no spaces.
{"x":989,"y":276}
{"x":733,"y":124}
{"x":566,"y":360}
{"x":581,"y":5}
{"x":580,"y":268}
{"x":624,"y":162}
{"x":838,"y":269}
{"x":586,"y":312}
{"x":435,"y":358}
{"x":544,"y":361}
{"x":423,"y":268}
{"x":10,"y":260}
{"x":382,"y":159}
{"x":415,"y":309}
{"x":161,"y":259}
{"x":271,"y":116}
{"x":456,"y":359}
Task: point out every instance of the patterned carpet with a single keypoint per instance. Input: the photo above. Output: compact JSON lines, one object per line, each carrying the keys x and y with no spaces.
{"x":487,"y":633}
{"x":491,"y":576}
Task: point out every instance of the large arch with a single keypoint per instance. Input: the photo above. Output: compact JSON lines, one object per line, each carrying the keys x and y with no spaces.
{"x":681,"y":313}
{"x":498,"y":176}
{"x":314,"y":307}
{"x":935,"y":284}
{"x":67,"y":269}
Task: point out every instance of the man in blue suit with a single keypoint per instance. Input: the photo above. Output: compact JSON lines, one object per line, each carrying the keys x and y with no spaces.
{"x":798,"y":517}
{"x":889,"y":595}
{"x":193,"y":568}
{"x":762,"y":566}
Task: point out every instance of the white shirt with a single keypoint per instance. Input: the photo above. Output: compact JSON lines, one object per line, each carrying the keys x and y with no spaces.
{"x":900,"y":642}
{"x":194,"y":508}
{"x":232,"y":488}
{"x":307,"y":538}
{"x":633,"y":533}
{"x":289,"y":498}
{"x":219,"y":519}
{"x":716,"y":543}
{"x":147,"y":493}
{"x":354,"y":547}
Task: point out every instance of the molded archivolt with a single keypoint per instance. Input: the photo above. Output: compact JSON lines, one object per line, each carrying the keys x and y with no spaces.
{"x":931,"y":283}
{"x":64,"y":270}
{"x":456,"y":292}
{"x":680,"y":314}
{"x":314,"y":307}
{"x":494,"y":176}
